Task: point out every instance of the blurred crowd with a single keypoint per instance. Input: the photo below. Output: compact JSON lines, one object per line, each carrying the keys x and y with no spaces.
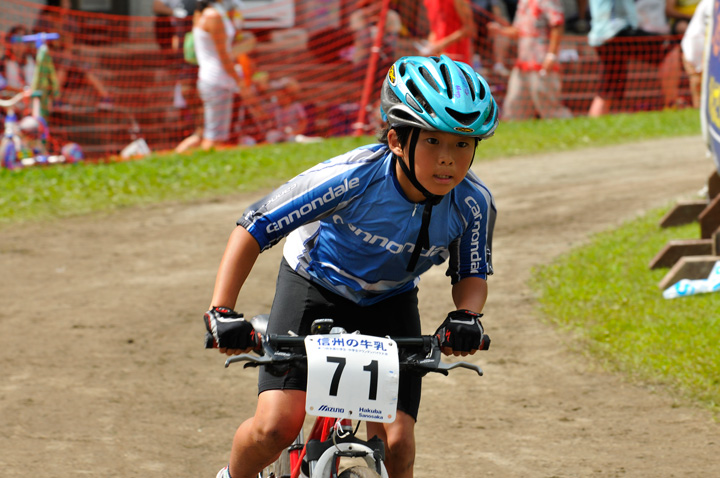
{"x":226,"y":97}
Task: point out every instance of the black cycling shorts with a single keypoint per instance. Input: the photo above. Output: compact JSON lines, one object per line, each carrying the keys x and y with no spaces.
{"x":298,"y":302}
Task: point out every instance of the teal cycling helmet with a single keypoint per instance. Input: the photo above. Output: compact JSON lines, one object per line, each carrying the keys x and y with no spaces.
{"x":438,"y":94}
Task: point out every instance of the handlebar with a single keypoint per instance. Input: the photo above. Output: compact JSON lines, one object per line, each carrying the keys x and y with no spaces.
{"x":421,"y":354}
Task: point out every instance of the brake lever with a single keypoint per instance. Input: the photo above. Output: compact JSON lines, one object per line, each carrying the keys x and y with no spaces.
{"x":449,"y":366}
{"x":252,"y":360}
{"x":434,"y":363}
{"x":267,"y":355}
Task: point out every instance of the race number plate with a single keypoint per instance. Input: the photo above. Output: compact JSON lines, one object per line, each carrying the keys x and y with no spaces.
{"x":352,"y":376}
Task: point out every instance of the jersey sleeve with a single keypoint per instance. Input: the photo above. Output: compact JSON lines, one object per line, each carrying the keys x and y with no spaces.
{"x":471,"y":252}
{"x":308,"y":197}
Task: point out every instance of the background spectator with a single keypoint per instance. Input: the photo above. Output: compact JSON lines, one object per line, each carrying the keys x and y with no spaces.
{"x":653,"y":19}
{"x":693,"y":47}
{"x":576,"y":16}
{"x":363,"y":22}
{"x":173,"y":18}
{"x":679,"y":13}
{"x":290,"y":116}
{"x":18,"y":66}
{"x":617,"y":37}
{"x":218,"y":79}
{"x":452,"y":29}
{"x":489,"y":46}
{"x":45,"y":86}
{"x":19,"y":61}
{"x":257,"y":113}
{"x":534,"y":87}
{"x":58,"y":17}
{"x":29,"y":69}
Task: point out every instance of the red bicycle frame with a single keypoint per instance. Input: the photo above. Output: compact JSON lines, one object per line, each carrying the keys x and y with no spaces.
{"x":321,"y":430}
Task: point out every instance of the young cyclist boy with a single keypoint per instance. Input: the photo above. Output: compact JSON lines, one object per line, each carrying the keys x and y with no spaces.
{"x":361,"y":228}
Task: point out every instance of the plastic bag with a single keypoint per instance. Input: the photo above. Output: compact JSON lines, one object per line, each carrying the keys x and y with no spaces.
{"x":686,"y":287}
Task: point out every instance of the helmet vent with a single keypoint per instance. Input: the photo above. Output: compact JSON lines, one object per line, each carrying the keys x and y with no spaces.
{"x":470,"y":85}
{"x":482,"y":92}
{"x":491,"y":114}
{"x":417,"y":97}
{"x":413,"y":104}
{"x":404,"y":117}
{"x":430,"y":80}
{"x":446,"y":78}
{"x":463,"y":118}
{"x":390,"y":94}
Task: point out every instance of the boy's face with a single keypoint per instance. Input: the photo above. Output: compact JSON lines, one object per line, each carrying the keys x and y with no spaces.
{"x":441,"y":162}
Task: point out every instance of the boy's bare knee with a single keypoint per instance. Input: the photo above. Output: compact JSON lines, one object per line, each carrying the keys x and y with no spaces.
{"x":278,"y":418}
{"x":275,"y":437}
{"x":275,"y":433}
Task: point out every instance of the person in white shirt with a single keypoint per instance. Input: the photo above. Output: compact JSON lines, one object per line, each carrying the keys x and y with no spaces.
{"x":19,"y":62}
{"x":218,"y":79}
{"x":693,"y":47}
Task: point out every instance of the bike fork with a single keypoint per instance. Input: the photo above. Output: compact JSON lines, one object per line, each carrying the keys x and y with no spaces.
{"x":295,"y":450}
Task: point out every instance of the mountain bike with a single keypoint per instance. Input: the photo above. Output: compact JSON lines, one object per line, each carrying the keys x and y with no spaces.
{"x":350,"y":377}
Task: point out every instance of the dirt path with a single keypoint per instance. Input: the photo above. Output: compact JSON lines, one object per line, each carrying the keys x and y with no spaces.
{"x":103,"y":371}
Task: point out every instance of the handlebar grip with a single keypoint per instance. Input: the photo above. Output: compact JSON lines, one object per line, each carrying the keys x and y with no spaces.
{"x":485,"y":342}
{"x":210,"y":342}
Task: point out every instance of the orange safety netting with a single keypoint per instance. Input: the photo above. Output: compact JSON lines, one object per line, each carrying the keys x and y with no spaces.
{"x":124,"y":77}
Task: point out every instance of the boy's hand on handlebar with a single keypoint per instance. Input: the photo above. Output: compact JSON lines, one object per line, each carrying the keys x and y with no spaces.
{"x":462,"y":333}
{"x":228,"y":331}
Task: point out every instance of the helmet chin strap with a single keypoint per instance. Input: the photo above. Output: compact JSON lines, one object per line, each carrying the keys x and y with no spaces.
{"x":410,"y":172}
{"x":423,"y":239}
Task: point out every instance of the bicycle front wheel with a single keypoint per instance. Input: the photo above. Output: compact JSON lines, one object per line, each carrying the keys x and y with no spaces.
{"x":359,"y":472}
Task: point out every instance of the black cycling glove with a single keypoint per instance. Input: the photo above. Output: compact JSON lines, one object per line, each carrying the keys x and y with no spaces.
{"x":227,"y":329}
{"x":462,"y":331}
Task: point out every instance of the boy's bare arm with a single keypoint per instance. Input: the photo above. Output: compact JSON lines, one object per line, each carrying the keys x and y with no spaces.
{"x":467,"y":29}
{"x":241,"y":252}
{"x":470,"y":293}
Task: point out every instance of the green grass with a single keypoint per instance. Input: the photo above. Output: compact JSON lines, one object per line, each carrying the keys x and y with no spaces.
{"x":605,"y":294}
{"x":61,"y":191}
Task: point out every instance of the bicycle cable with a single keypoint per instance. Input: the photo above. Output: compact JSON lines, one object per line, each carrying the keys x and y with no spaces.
{"x":341,"y":433}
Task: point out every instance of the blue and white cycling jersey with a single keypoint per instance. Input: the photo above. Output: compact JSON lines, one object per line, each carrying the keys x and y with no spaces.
{"x":350,"y":227}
